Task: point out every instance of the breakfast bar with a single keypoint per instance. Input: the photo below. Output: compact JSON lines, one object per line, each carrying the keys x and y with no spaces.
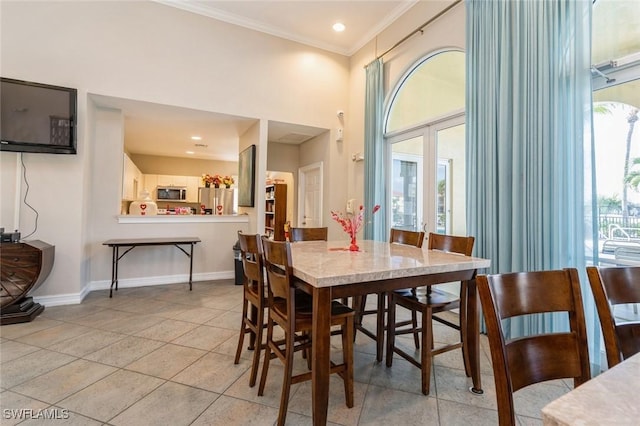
{"x":131,"y":243}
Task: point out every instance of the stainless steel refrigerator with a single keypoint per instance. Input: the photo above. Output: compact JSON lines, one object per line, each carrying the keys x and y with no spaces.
{"x":218,"y":201}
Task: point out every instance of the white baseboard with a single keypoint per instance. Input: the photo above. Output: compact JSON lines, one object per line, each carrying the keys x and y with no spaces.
{"x":76,"y":298}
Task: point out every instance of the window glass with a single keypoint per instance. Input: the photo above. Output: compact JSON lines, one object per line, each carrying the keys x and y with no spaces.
{"x":616,"y":102}
{"x":434,"y":88}
{"x":615,"y":30}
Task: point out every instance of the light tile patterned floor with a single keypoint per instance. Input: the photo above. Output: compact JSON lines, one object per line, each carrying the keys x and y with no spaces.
{"x":164,"y":355}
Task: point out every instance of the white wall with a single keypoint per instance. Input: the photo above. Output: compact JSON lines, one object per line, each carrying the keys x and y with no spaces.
{"x":149,"y":52}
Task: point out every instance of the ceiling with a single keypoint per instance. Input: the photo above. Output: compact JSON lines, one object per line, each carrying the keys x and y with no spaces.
{"x":163,"y":130}
{"x":306,"y":21}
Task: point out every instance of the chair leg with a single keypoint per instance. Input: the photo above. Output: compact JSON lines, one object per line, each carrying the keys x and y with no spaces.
{"x":414,"y":324}
{"x":306,"y":352}
{"x":254,"y":320}
{"x":425,"y":353}
{"x":257,"y":348}
{"x":391,"y":329}
{"x":380,"y":325}
{"x":358,"y":304}
{"x":267,"y":357}
{"x":242,"y":331}
{"x":463,"y":325}
{"x":286,"y":380}
{"x":347,"y":356}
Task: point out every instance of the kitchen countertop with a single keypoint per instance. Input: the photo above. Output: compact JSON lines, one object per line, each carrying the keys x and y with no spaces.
{"x":184,"y":218}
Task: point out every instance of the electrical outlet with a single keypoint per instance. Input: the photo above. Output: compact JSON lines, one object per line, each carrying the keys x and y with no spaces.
{"x":350,"y":204}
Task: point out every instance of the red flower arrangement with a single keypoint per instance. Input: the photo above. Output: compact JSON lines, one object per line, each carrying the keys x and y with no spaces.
{"x":227,"y":181}
{"x":207,"y":180}
{"x":352,"y":223}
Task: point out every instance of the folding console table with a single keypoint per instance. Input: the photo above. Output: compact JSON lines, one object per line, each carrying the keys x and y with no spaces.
{"x":131,"y":243}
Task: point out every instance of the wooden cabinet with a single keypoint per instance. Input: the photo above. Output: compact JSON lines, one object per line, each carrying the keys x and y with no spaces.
{"x":24,"y":266}
{"x":275,"y":211}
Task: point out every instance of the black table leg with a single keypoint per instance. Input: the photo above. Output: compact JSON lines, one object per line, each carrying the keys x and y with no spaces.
{"x":191,"y":267}
{"x":114,"y":270}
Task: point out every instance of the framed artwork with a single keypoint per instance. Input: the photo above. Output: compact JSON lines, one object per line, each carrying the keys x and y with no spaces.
{"x":246,"y":177}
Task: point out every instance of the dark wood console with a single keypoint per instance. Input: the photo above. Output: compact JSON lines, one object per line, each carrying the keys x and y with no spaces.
{"x":24,"y":266}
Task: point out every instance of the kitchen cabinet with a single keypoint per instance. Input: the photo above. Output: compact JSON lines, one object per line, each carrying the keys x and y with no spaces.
{"x":193,"y":183}
{"x":150,"y":184}
{"x":275,"y":211}
{"x":132,"y":180}
{"x":172,"y":180}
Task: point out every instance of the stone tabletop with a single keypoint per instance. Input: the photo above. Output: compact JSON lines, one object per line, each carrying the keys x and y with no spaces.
{"x":612,"y":398}
{"x":325,"y":264}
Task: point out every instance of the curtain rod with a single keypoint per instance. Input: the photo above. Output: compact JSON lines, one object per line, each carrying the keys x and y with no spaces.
{"x":420,"y":28}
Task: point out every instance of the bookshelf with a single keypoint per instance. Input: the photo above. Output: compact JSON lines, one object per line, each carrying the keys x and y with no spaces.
{"x":275,"y":211}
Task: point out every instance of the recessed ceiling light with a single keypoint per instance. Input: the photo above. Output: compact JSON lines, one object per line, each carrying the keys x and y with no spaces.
{"x":196,"y":138}
{"x":190,"y":152}
{"x":338,"y":27}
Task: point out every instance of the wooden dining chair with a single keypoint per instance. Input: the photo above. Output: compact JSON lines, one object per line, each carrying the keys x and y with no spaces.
{"x":610,"y":287}
{"x":291,"y":310}
{"x":308,"y":234}
{"x":396,"y":236}
{"x":254,"y":302}
{"x":522,"y":361}
{"x":430,"y":303}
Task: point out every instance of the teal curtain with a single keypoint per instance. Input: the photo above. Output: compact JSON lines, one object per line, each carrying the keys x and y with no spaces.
{"x":528,"y":104}
{"x":374,"y":159}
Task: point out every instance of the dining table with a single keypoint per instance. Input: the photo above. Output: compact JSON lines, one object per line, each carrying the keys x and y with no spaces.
{"x":611,"y":398}
{"x":328,"y":270}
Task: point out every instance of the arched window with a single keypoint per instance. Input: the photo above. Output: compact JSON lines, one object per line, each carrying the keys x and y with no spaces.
{"x":424,"y":129}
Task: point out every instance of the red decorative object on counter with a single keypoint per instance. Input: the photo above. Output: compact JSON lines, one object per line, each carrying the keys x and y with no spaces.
{"x":351,"y":224}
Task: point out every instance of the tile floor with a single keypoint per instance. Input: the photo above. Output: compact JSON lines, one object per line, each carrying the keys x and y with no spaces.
{"x":164,"y":355}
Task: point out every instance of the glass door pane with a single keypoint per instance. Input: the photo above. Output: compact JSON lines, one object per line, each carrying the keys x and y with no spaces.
{"x":617,"y":171}
{"x":406,"y":184}
{"x":450,"y":204}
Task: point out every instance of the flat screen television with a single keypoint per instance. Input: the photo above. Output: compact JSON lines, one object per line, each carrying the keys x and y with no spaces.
{"x":37,"y":117}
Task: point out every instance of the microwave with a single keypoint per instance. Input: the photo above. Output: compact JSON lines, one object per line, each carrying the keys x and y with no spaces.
{"x":171,"y":193}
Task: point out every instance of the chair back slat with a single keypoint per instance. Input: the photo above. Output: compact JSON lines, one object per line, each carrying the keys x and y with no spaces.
{"x":409,"y":238}
{"x":252,"y":263}
{"x":277,"y":259}
{"x":613,"y":286}
{"x":451,"y":243}
{"x":622,"y":285}
{"x":542,"y":358}
{"x":532,"y":293}
{"x":629,"y":338}
{"x":308,"y":234}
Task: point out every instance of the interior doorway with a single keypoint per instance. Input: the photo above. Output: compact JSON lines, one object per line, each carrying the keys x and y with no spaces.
{"x":310,"y":195}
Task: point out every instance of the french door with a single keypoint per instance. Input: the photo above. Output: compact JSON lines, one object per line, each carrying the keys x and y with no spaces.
{"x":427,"y":190}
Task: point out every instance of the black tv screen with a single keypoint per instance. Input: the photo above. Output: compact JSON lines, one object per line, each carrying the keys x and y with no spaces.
{"x":37,"y":117}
